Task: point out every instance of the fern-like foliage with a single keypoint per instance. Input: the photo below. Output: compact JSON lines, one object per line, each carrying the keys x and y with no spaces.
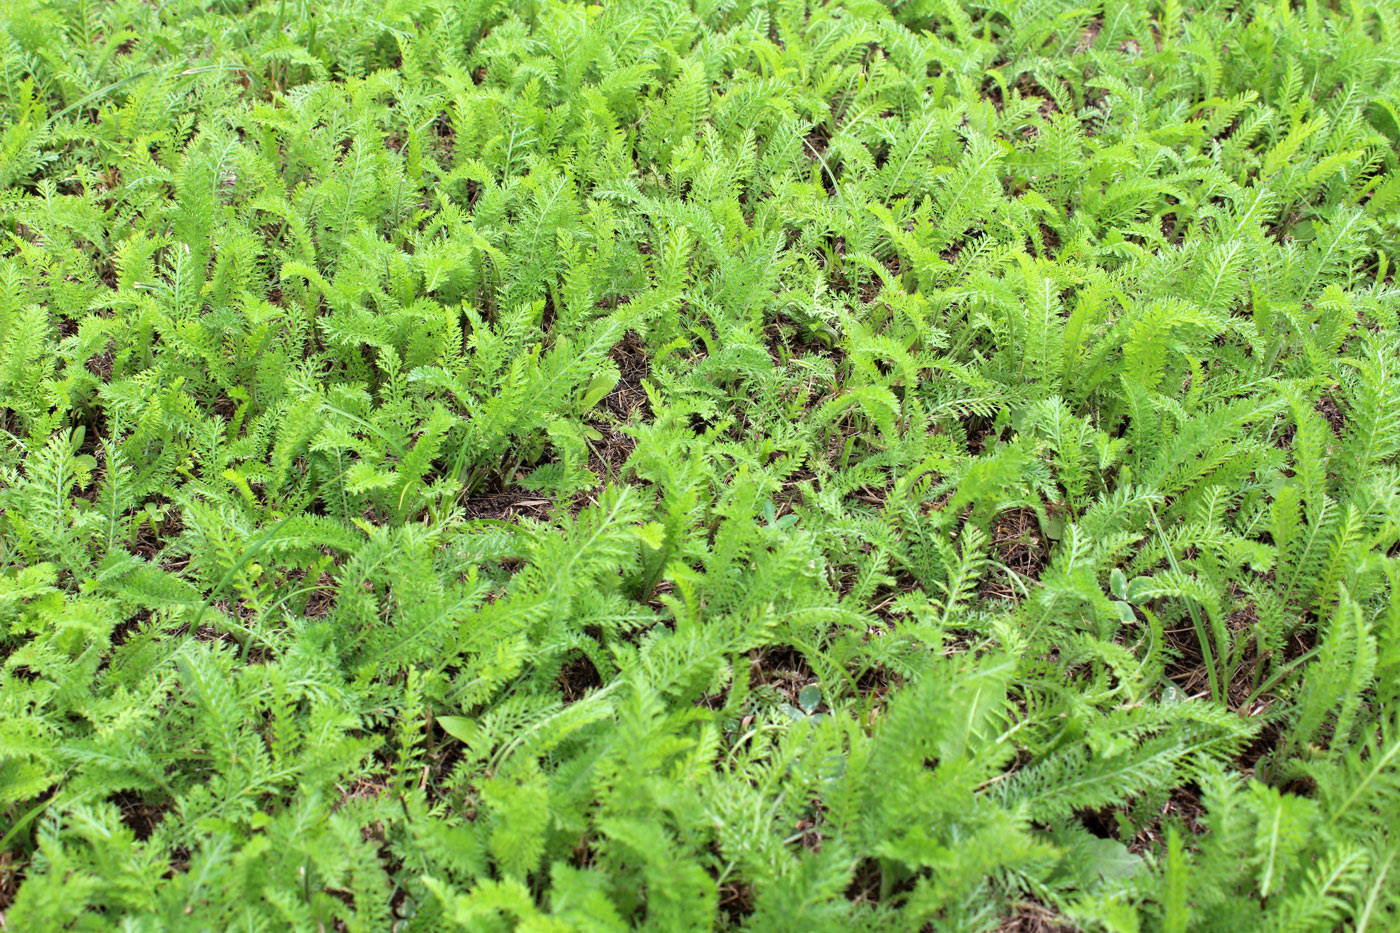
{"x":681,"y":465}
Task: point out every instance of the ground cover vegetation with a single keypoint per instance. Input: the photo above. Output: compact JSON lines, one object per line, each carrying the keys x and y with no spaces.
{"x":683,"y":465}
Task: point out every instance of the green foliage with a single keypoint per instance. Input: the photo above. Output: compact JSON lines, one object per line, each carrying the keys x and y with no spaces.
{"x":680,"y":465}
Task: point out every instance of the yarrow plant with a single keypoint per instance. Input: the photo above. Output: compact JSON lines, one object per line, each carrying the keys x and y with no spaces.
{"x":699,"y":464}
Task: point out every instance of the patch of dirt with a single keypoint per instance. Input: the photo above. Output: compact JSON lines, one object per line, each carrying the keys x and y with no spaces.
{"x":508,"y":505}
{"x":865,"y":883}
{"x":1329,"y":409}
{"x":607,"y":457}
{"x":875,"y":498}
{"x":633,"y":365}
{"x":11,"y":874}
{"x":207,"y":634}
{"x":781,"y":668}
{"x":101,"y":364}
{"x":1264,"y":743}
{"x":1243,"y":619}
{"x":583,"y":855}
{"x":1171,"y":232}
{"x":735,"y":901}
{"x":124,"y":630}
{"x":875,"y":684}
{"x":1184,"y":806}
{"x":140,"y":817}
{"x":445,"y":135}
{"x":321,"y":599}
{"x":149,"y":543}
{"x":785,"y":337}
{"x":578,"y":676}
{"x":225,"y":407}
{"x":777,"y":675}
{"x":365,"y":787}
{"x":1017,"y":539}
{"x":1019,"y":546}
{"x":1090,"y":33}
{"x":1241,"y":624}
{"x":1034,"y":917}
{"x":980,"y":433}
{"x":810,"y":834}
{"x":1186,"y":665}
